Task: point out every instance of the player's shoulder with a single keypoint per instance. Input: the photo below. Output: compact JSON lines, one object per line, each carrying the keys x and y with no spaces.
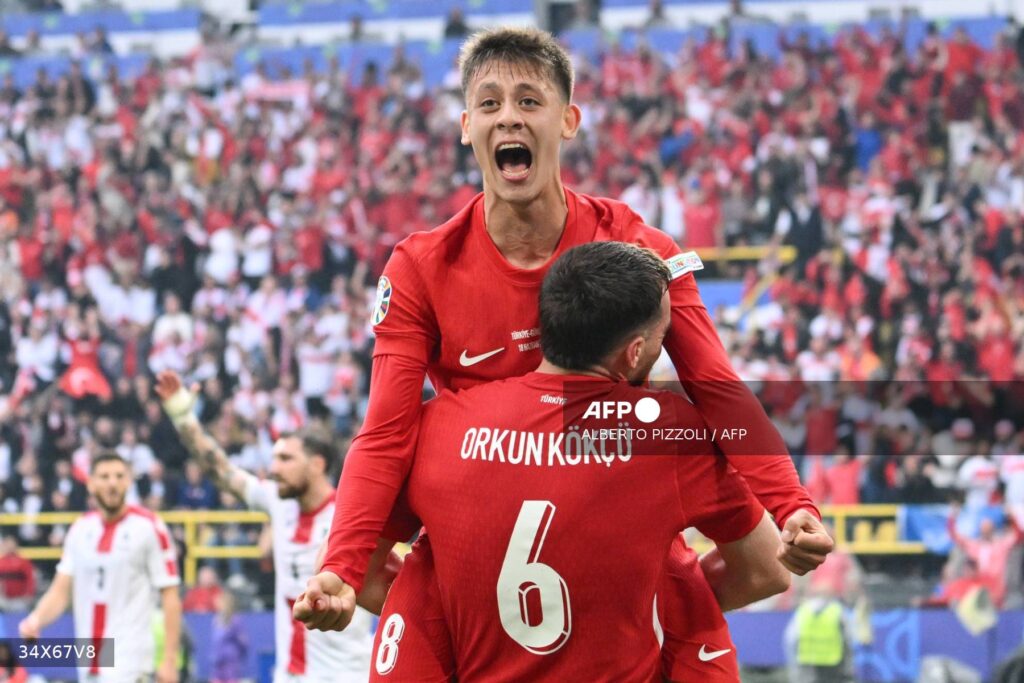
{"x":439,"y":244}
{"x":85,"y":520}
{"x":264,"y":494}
{"x":147,"y":519}
{"x":616,"y":221}
{"x":141,"y":512}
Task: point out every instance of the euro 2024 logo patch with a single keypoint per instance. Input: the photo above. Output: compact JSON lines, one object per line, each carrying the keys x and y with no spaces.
{"x":383,"y":303}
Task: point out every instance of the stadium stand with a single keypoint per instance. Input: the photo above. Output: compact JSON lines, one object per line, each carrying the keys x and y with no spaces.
{"x":226,"y":213}
{"x":163,"y":33}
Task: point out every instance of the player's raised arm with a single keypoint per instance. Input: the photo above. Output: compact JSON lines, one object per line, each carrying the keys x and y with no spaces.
{"x":178,"y":402}
{"x":53,"y":603}
{"x":720,"y":396}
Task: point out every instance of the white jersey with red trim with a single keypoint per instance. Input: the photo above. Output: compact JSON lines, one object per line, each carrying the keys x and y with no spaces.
{"x":304,"y":655}
{"x":115,"y":569}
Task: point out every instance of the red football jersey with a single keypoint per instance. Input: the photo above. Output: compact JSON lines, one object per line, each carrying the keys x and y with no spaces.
{"x":548,"y":551}
{"x":450,"y":305}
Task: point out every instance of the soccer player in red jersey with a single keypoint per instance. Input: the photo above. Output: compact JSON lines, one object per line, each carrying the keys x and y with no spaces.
{"x":548,"y":538}
{"x":459,"y":303}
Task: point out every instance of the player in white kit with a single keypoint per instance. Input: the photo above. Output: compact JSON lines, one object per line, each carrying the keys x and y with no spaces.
{"x":299,"y":498}
{"x":114,"y":559}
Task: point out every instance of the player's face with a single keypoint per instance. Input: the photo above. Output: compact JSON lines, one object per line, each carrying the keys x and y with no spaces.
{"x":108,"y":483}
{"x":516,"y":119}
{"x":651,"y":349}
{"x":290,"y":468}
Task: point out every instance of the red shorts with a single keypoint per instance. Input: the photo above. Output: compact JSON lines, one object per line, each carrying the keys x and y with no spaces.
{"x":412,"y":641}
{"x":697,"y":645}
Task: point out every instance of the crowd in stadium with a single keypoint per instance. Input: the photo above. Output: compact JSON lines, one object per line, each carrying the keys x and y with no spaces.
{"x":232,"y":229}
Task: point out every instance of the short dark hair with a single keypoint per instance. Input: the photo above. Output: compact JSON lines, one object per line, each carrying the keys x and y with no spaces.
{"x":528,"y":47}
{"x":315,"y":441}
{"x":594,"y":297}
{"x":106,"y":456}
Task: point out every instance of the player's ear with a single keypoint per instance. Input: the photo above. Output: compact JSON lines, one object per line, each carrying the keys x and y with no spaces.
{"x":571,"y":117}
{"x":635,"y":351}
{"x":464,"y":119}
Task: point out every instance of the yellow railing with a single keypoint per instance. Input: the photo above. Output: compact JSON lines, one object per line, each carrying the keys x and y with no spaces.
{"x":869,"y":529}
{"x":858,"y":529}
{"x":784,"y":254}
{"x":190,"y":520}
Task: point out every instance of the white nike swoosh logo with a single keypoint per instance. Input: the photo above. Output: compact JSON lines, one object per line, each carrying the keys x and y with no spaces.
{"x":465,"y":361}
{"x":706,"y":656}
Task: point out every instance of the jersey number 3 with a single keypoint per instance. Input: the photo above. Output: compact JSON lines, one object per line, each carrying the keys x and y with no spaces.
{"x":533,"y":600}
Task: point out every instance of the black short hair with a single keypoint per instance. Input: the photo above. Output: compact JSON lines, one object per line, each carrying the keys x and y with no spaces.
{"x":594,"y":297}
{"x":315,"y":442}
{"x":106,"y":456}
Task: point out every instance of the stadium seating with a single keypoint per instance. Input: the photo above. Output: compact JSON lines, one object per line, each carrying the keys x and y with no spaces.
{"x":159,"y":187}
{"x":163,"y":33}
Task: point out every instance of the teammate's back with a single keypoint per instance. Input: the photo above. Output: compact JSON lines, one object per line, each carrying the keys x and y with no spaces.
{"x":549,"y":534}
{"x":559,"y":538}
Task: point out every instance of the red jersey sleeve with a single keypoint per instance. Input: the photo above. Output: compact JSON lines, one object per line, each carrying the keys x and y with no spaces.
{"x":712,"y":496}
{"x":376,"y":467}
{"x":381,"y":455}
{"x":719,"y":395}
{"x":403,"y":318}
{"x":709,"y":379}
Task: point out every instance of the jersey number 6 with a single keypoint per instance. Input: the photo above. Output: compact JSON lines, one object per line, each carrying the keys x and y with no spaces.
{"x":533,"y":600}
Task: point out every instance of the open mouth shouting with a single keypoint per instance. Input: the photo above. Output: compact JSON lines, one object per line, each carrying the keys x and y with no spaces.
{"x":514,"y":160}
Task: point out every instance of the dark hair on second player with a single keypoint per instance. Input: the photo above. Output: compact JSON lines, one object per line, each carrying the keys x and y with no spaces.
{"x":106,"y":456}
{"x":594,"y":297}
{"x":315,"y":441}
{"x":529,"y":47}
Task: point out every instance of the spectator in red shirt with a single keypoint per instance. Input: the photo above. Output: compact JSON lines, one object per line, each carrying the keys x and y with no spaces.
{"x":204,"y":596}
{"x":17,"y":577}
{"x":701,"y":220}
{"x":963,"y":56}
{"x":839,"y":482}
{"x":821,"y":417}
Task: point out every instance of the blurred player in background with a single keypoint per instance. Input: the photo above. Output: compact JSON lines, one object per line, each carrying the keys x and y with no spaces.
{"x":299,"y":498}
{"x":459,"y":303}
{"x":497,"y":518}
{"x":113,"y":560}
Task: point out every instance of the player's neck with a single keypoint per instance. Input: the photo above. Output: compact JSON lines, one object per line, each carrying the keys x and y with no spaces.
{"x":548,"y":368}
{"x":111,"y":516}
{"x":315,"y":496}
{"x":527,"y":235}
